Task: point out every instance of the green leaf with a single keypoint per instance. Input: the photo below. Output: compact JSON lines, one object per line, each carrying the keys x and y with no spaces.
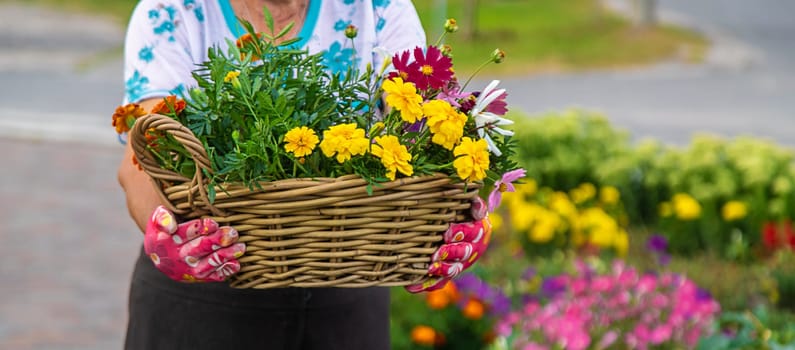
{"x":268,"y":19}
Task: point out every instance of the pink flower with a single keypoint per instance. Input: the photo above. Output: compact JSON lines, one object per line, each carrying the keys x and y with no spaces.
{"x":505,"y":184}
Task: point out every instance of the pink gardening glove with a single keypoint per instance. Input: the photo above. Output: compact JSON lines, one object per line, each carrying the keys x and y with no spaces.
{"x":194,"y":251}
{"x":464,"y":244}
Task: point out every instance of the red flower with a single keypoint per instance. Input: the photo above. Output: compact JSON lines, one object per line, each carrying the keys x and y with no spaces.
{"x":432,"y":69}
{"x":769,"y":235}
{"x":401,"y":63}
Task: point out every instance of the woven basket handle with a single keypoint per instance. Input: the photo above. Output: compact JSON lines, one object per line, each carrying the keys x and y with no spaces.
{"x":163,"y":177}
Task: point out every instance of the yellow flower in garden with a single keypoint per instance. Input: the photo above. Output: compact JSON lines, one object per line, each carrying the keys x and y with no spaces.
{"x":403,"y":97}
{"x":560,"y":203}
{"x":601,"y":227}
{"x":621,"y":243}
{"x":394,"y":156}
{"x":666,"y":209}
{"x":734,"y":210}
{"x":583,"y":192}
{"x":232,"y":75}
{"x":545,"y":226}
{"x":445,"y":122}
{"x":496,"y":221}
{"x":609,"y":195}
{"x":472,"y":159}
{"x":523,"y":214}
{"x":344,"y":140}
{"x":301,"y":141}
{"x":686,"y":207}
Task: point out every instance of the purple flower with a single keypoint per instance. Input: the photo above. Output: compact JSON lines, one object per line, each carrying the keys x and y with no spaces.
{"x":553,"y":286}
{"x":657,"y":243}
{"x":505,"y":184}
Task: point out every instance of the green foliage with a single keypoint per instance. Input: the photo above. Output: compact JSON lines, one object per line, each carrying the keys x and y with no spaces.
{"x":561,"y":150}
{"x":752,"y":330}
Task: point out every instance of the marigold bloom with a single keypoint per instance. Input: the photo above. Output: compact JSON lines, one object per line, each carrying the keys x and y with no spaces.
{"x":301,"y":141}
{"x":472,"y":159}
{"x":609,"y":195}
{"x":124,"y":116}
{"x":244,"y":41}
{"x":394,"y":156}
{"x":169,"y":104}
{"x":734,"y":210}
{"x":344,"y":140}
{"x":446,"y":123}
{"x":231,"y":75}
{"x":423,"y":335}
{"x":403,"y":97}
{"x":473,"y":309}
{"x":686,"y":207}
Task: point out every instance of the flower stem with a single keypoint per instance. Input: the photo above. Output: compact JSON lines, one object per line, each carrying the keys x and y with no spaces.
{"x":483,"y":65}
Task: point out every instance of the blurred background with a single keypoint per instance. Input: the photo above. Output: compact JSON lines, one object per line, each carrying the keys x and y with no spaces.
{"x":653,"y":98}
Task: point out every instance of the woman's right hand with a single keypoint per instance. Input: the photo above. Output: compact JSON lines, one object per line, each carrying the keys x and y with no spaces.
{"x":194,"y":251}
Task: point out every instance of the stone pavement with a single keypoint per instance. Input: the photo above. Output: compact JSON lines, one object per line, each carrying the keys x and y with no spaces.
{"x":67,"y":246}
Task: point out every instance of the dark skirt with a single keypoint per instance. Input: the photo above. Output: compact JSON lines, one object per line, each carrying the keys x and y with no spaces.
{"x":164,"y":314}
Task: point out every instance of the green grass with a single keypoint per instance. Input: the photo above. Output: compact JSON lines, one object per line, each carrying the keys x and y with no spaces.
{"x":537,"y":35}
{"x":554,"y":35}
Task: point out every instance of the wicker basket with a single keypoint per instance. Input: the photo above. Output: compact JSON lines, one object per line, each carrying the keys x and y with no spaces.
{"x":319,"y":232}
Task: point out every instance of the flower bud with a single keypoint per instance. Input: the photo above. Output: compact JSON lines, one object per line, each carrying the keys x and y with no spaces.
{"x":376,"y":129}
{"x":498,"y":56}
{"x":447,"y":50}
{"x":351,"y":31}
{"x":450,"y":25}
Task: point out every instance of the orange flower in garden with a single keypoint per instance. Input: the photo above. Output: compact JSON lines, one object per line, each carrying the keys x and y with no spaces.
{"x":125,"y":116}
{"x":473,"y":309}
{"x":440,"y":298}
{"x":427,"y":336}
{"x":247,"y":40}
{"x":169,"y":104}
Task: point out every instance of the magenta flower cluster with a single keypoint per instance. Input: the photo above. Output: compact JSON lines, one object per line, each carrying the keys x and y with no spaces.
{"x":619,"y":309}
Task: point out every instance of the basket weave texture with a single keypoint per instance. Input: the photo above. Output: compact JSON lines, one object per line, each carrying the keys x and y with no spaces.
{"x":318,"y":232}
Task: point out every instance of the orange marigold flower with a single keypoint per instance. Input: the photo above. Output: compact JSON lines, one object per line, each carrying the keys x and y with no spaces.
{"x":437,"y":299}
{"x":151,"y":137}
{"x":124,"y":116}
{"x":246,"y":40}
{"x":424,"y":335}
{"x":169,"y":104}
{"x":473,"y":309}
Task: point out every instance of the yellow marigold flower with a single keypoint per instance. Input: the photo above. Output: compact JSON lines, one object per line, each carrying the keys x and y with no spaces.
{"x":609,"y":195}
{"x":686,"y":207}
{"x":404,"y":98}
{"x":423,"y":335}
{"x":445,"y":122}
{"x":394,"y":156}
{"x":523,"y":214}
{"x":124,"y":116}
{"x":472,"y":159}
{"x":560,"y":203}
{"x":583,"y":192}
{"x":344,"y":140}
{"x":231,"y":75}
{"x":545,"y":227}
{"x":734,"y":210}
{"x":301,"y":141}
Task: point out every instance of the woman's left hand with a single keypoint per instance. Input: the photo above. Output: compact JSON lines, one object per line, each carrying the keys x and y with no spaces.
{"x":464,"y":244}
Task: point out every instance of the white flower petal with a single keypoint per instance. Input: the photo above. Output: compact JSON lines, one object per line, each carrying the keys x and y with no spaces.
{"x":492,"y":147}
